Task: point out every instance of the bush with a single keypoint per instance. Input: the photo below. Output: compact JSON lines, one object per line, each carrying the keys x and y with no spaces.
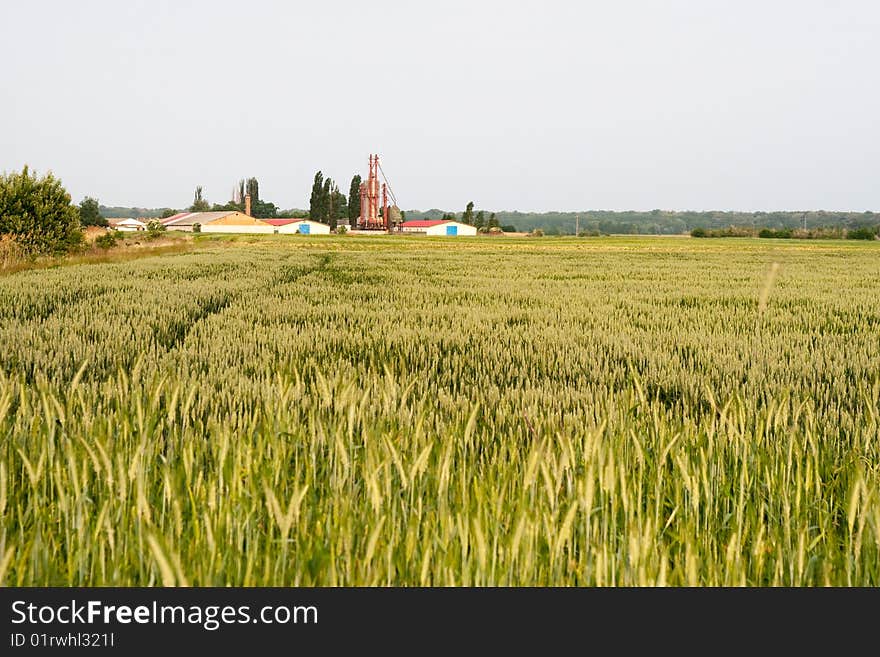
{"x":197,"y":227}
{"x":730,"y":231}
{"x":108,"y":240}
{"x":37,"y":214}
{"x":155,"y":228}
{"x":341,"y":230}
{"x":782,"y":233}
{"x":10,"y":251}
{"x":863,"y":233}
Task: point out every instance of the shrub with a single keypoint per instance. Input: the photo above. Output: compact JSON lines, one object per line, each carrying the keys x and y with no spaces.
{"x":155,"y":228}
{"x":782,"y":233}
{"x":10,"y":251}
{"x":197,"y":227}
{"x":730,"y":231}
{"x":341,"y":230}
{"x":863,"y":233}
{"x":108,"y":240}
{"x":37,"y":214}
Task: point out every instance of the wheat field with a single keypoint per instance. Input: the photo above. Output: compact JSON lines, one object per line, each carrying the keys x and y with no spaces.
{"x":467,"y":412}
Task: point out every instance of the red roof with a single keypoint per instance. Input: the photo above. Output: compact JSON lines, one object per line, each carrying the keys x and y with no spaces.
{"x":282,"y":222}
{"x":423,"y":223}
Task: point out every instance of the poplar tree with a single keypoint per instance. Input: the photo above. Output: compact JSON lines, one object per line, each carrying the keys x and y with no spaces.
{"x":328,"y":215}
{"x":199,"y":202}
{"x":354,"y":200}
{"x":316,"y":202}
{"x":253,"y":188}
{"x":468,"y":216}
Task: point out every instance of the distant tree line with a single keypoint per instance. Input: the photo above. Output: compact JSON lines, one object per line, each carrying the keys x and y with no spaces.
{"x":260,"y":208}
{"x":660,"y":222}
{"x":593,"y":222}
{"x":823,"y":233}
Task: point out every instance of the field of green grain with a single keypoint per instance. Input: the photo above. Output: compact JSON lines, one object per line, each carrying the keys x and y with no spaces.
{"x":413,"y":411}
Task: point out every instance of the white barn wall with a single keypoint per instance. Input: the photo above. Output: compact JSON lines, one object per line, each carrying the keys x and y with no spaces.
{"x":315,"y":228}
{"x":242,"y":230}
{"x":464,"y":230}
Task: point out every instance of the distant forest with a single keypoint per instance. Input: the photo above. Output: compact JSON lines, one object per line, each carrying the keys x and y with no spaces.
{"x":139,"y":213}
{"x":652,"y":222}
{"x":133,"y":213}
{"x":663,"y":222}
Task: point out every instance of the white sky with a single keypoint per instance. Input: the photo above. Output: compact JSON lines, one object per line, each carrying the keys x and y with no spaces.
{"x":700,"y":104}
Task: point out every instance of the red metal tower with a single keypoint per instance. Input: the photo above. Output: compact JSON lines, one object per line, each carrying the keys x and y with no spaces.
{"x":370,"y":219}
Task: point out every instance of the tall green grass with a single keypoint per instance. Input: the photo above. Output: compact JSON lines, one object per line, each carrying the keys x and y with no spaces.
{"x":413,"y":412}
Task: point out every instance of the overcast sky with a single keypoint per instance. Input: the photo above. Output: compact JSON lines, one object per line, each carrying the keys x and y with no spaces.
{"x":551,"y":105}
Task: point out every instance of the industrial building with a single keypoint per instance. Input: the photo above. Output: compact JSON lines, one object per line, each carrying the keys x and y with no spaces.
{"x":437,"y":227}
{"x":300,"y":226}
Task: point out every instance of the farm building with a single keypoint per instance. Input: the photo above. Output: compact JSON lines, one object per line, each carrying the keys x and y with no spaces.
{"x":227,"y":221}
{"x":127,"y":224}
{"x":437,"y":227}
{"x":237,"y":222}
{"x":301,"y":226}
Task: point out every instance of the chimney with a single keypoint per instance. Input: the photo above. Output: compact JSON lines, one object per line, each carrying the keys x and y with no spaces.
{"x":247,"y":204}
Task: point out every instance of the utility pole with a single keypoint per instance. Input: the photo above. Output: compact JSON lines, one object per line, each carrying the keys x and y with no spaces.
{"x":577,"y":225}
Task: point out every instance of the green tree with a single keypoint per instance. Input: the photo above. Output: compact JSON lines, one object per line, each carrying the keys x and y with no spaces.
{"x":340,"y":206}
{"x":329,"y":213}
{"x":37,"y":213}
{"x":354,"y":200}
{"x":167,"y":212}
{"x":316,"y":201}
{"x":468,"y":216}
{"x":253,"y":188}
{"x":200,"y":204}
{"x":90,"y":213}
{"x":480,"y":221}
{"x":864,"y":233}
{"x":264,"y":210}
{"x":493,"y":221}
